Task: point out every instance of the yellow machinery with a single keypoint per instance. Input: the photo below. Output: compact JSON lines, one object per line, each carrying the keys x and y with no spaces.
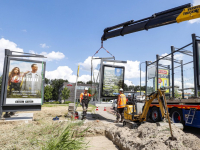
{"x":130,"y":110}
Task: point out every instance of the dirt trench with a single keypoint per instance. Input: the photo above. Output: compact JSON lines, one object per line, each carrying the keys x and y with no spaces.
{"x":146,"y":137}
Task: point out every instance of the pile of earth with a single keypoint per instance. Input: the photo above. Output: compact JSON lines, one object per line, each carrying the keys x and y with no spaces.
{"x":146,"y":136}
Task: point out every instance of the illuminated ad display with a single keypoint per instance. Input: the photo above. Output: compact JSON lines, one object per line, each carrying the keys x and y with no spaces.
{"x":112,"y":80}
{"x":163,"y":79}
{"x":24,"y":82}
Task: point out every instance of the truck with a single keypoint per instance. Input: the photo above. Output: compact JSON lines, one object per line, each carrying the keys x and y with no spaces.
{"x":185,"y":111}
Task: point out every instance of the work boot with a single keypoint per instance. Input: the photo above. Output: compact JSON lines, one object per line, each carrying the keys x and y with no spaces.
{"x":121,"y":121}
{"x":6,"y":115}
{"x":116,"y":121}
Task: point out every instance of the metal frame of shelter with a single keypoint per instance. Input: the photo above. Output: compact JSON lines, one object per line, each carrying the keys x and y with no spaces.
{"x":10,"y":107}
{"x":107,"y":59}
{"x":196,"y":63}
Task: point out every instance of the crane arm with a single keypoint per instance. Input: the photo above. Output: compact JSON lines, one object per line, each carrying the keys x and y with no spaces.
{"x":174,"y":15}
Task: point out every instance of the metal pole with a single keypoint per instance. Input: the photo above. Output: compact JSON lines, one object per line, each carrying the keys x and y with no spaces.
{"x":145,"y":79}
{"x":75,"y":93}
{"x":140,"y":76}
{"x":169,"y":79}
{"x":195,"y":64}
{"x":91,"y":76}
{"x":182,"y":79}
{"x":100,"y":76}
{"x":172,"y":63}
{"x":157,"y":57}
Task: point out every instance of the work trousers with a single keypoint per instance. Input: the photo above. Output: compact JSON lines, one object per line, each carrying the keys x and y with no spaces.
{"x":85,"y":107}
{"x":120,"y":112}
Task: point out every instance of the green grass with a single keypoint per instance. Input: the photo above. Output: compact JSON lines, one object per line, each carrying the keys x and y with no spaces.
{"x":68,"y":139}
{"x":56,"y":105}
{"x":93,"y":108}
{"x":53,"y":105}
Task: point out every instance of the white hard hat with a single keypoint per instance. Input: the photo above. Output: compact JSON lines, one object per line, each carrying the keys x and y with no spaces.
{"x":86,"y":88}
{"x":120,"y":89}
{"x":129,"y":93}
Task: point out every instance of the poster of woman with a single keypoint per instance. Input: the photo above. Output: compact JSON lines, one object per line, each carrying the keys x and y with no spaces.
{"x":24,"y":82}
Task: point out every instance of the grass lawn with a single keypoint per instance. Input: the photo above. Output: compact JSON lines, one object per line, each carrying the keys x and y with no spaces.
{"x":41,"y":133}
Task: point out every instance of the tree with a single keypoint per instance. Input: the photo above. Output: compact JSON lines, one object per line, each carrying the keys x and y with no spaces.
{"x":131,"y":87}
{"x":57,"y":84}
{"x":143,"y":88}
{"x":48,"y":92}
{"x":81,"y":82}
{"x":176,"y":94}
{"x":89,"y":82}
{"x":47,"y":81}
{"x":125,"y":87}
{"x":65,"y":93}
{"x":136,"y":88}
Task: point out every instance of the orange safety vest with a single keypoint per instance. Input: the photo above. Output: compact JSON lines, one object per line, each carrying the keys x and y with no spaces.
{"x":121,"y":101}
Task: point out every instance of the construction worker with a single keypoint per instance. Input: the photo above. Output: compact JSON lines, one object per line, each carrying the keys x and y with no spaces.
{"x":121,"y":103}
{"x":84,"y":100}
{"x":129,"y":98}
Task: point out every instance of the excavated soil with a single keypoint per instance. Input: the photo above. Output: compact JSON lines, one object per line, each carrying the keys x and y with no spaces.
{"x":146,"y":137}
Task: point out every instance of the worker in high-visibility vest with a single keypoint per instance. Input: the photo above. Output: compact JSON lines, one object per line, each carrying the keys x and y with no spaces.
{"x":129,"y":98}
{"x":121,"y":103}
{"x":84,"y":100}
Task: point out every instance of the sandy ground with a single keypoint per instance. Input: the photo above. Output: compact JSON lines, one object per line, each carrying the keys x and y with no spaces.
{"x":100,"y":143}
{"x":20,"y":135}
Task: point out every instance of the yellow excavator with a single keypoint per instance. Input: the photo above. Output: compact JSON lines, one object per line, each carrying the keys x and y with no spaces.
{"x":131,"y":115}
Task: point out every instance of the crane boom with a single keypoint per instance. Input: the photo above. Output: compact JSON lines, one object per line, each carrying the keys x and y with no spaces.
{"x":174,"y":15}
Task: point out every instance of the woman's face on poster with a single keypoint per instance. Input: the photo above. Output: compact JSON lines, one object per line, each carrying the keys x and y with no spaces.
{"x":16,"y":70}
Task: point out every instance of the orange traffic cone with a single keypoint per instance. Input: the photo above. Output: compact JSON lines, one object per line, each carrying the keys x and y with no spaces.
{"x":104,"y":109}
{"x":97,"y":109}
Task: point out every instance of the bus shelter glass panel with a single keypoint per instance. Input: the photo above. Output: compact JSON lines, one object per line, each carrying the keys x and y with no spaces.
{"x":112,"y":80}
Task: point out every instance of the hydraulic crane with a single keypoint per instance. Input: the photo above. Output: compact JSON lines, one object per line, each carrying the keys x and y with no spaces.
{"x":174,"y":15}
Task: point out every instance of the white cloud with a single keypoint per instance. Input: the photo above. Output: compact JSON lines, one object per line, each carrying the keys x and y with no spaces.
{"x":24,"y":30}
{"x":142,"y":83}
{"x":50,"y":56}
{"x":195,"y":2}
{"x":64,"y":72}
{"x":132,"y":69}
{"x":44,"y":45}
{"x":128,"y":82}
{"x":168,"y":62}
{"x":6,"y":44}
{"x":86,"y":65}
{"x":53,"y":55}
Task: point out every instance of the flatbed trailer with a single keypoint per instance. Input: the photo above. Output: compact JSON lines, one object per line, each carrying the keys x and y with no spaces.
{"x":185,"y":111}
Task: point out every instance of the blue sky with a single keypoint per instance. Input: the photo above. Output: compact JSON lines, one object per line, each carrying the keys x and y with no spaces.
{"x":68,"y":32}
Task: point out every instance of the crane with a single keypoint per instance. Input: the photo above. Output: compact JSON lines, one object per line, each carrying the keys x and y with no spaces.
{"x":174,"y":15}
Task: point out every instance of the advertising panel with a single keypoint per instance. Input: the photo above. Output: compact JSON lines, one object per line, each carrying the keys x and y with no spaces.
{"x":24,"y":82}
{"x":163,"y":79}
{"x":152,"y":72}
{"x":112,"y":80}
